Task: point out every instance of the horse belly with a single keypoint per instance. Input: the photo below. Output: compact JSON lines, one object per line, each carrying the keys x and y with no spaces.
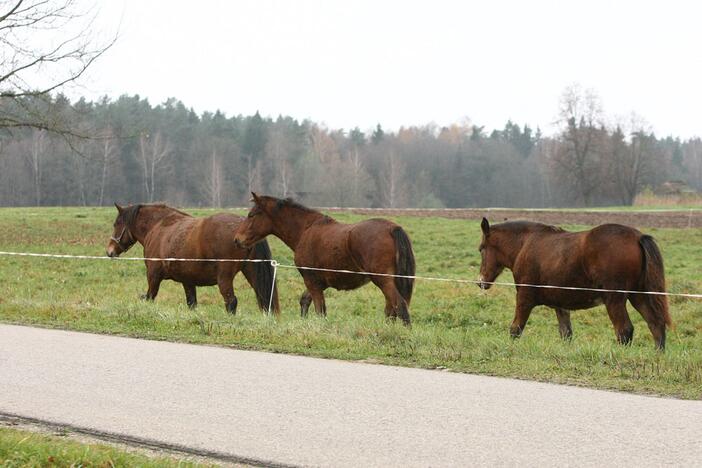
{"x":346,"y":281}
{"x":570,"y":299}
{"x":195,"y":273}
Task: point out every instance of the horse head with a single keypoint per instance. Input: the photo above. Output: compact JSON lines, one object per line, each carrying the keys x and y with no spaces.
{"x":490,"y":265}
{"x":258,"y":223}
{"x":122,"y":238}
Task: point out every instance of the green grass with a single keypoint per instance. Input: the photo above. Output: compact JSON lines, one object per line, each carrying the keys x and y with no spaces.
{"x":614,"y":208}
{"x":28,"y":449}
{"x":455,"y":326}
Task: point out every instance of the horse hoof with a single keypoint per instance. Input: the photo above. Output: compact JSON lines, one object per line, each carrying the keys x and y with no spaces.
{"x":626,"y":337}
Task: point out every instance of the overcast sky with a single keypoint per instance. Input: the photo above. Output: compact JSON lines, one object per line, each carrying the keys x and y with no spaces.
{"x":401,"y":63}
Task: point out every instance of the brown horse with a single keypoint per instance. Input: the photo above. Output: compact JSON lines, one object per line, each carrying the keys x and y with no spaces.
{"x":165,"y":232}
{"x":610,"y":256}
{"x":318,"y":241}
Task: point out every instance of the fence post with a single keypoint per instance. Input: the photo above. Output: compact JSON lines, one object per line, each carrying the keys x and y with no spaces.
{"x":274,"y":264}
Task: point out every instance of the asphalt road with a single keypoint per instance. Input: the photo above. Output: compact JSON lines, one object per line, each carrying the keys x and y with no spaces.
{"x":294,"y":410}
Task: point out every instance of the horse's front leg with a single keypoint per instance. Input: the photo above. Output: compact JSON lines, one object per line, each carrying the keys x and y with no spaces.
{"x":319,"y":305}
{"x":316,"y":292}
{"x":190,"y":295}
{"x":153,"y":278}
{"x":225,"y":282}
{"x":521,"y":313}
{"x":564,"y":327}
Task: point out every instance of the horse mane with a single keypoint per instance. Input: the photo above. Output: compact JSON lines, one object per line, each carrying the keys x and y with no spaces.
{"x":130,"y":213}
{"x":290,"y":203}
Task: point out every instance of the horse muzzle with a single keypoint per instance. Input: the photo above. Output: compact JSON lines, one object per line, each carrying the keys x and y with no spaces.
{"x":241,"y":243}
{"x":112,"y":252}
{"x":484,"y":285}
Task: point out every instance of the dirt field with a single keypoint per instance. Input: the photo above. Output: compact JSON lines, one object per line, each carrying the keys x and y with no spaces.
{"x":668,"y":219}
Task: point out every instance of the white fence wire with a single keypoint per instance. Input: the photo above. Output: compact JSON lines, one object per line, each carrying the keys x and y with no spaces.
{"x":275,"y":264}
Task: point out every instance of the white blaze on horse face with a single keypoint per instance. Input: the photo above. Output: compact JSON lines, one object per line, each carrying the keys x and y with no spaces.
{"x":482,"y":283}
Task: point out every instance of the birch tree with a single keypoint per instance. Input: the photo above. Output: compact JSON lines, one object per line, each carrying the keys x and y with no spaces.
{"x":393,"y":180}
{"x":109,"y":156}
{"x":154,"y":151}
{"x":39,"y":143}
{"x":277,"y":151}
{"x":214,"y":181}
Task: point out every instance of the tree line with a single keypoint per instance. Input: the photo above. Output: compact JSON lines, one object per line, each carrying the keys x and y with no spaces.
{"x":128,"y":150}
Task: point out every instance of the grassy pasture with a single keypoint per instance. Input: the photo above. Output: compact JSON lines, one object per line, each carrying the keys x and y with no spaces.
{"x":19,"y":448}
{"x":455,"y":326}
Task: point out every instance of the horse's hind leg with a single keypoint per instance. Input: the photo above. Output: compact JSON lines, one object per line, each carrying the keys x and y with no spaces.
{"x":623,"y":328}
{"x":564,"y":326}
{"x":305,"y":302}
{"x":225,"y":282}
{"x":190,"y":295}
{"x":395,"y":304}
{"x":655,"y":323}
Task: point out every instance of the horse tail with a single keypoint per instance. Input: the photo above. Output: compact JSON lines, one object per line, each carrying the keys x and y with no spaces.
{"x":261,"y":277}
{"x":653,"y":278}
{"x":404,"y":264}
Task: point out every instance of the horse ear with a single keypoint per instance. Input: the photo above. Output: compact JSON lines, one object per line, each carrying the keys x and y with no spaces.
{"x":254,"y":197}
{"x":119,"y":208}
{"x":485,"y":226}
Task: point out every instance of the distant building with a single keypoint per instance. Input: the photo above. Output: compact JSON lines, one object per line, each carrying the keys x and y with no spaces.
{"x":674,"y":187}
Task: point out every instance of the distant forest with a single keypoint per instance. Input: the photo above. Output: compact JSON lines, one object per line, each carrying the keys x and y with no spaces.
{"x":139,"y":152}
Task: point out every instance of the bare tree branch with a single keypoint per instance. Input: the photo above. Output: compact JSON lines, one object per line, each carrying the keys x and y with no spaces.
{"x":40,"y":53}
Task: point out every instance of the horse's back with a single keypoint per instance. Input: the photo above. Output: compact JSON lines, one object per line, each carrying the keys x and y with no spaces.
{"x":613,"y":233}
{"x":168,"y":236}
{"x":547,"y":255}
{"x":206,"y":237}
{"x":605,"y":257}
{"x":613,"y":256}
{"x":190,"y":237}
{"x":364,"y":246}
{"x":214,"y":234}
{"x":372,"y":243}
{"x":607,"y":242}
